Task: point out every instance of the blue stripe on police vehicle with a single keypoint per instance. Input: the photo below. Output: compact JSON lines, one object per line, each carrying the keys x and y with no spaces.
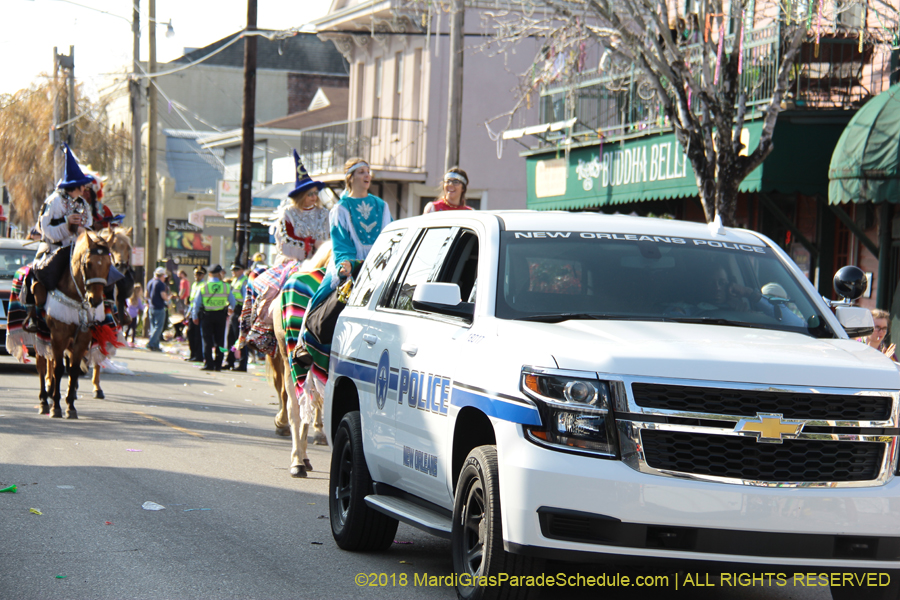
{"x":515,"y":410}
{"x":433,"y":393}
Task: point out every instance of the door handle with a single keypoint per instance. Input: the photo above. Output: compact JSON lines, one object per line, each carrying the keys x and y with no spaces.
{"x":410,"y":349}
{"x":370,"y":338}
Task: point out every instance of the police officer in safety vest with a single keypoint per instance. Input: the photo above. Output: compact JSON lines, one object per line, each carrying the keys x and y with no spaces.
{"x":213,"y":302}
{"x":195,"y":338}
{"x":239,"y":290}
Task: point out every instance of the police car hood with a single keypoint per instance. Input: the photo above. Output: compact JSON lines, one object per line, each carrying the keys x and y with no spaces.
{"x":706,"y":352}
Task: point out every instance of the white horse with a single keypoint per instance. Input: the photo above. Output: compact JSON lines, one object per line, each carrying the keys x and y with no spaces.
{"x":295,"y":414}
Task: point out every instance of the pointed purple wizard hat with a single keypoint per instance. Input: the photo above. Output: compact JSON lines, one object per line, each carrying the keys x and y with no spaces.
{"x":303,"y":180}
{"x":72,"y":177}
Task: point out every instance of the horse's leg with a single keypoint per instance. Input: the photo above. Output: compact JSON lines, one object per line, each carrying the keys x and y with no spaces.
{"x":72,"y":392}
{"x":56,"y":381}
{"x":298,"y":428}
{"x":95,"y":380}
{"x":315,"y":391}
{"x":282,"y":422}
{"x":79,"y":349}
{"x":42,"y":375}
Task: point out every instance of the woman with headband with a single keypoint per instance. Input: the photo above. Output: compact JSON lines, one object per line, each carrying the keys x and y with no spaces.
{"x":356,"y":221}
{"x":453,"y":193}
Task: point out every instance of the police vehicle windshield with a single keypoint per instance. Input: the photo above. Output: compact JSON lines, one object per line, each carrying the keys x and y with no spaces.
{"x":556,"y":276}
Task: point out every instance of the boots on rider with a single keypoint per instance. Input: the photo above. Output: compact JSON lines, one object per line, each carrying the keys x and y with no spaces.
{"x":39,"y":295}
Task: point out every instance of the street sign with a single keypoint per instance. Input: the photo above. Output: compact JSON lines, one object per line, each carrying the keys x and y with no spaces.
{"x":218,"y":226}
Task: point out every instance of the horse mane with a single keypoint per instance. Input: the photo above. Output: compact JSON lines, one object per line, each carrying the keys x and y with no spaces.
{"x":82,"y":245}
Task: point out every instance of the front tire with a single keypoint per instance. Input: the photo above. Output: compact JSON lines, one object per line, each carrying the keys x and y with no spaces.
{"x":477,"y":536}
{"x":354,"y":525}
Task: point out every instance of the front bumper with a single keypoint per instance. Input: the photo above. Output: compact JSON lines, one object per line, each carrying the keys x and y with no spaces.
{"x":558,"y":504}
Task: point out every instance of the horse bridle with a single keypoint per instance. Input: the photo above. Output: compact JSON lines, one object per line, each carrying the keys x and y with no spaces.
{"x":98,"y":250}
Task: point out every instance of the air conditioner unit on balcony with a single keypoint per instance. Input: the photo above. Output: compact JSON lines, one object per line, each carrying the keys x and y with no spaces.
{"x":851,"y":16}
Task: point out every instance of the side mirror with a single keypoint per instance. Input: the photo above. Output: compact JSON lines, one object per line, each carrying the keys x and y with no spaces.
{"x":850,"y":283}
{"x":442,"y":298}
{"x":855,"y":320}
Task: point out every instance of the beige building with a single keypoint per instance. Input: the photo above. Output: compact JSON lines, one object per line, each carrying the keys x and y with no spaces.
{"x":198,"y":99}
{"x":397,"y":120}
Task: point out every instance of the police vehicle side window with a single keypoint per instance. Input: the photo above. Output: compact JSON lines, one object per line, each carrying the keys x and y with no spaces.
{"x":372,"y":272}
{"x":421,"y":267}
{"x":461,"y":265}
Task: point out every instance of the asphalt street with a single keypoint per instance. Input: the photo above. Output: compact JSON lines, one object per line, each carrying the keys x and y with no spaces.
{"x":235,"y":524}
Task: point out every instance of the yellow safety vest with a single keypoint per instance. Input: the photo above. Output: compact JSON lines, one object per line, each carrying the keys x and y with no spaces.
{"x":195,"y":289}
{"x":215,"y":296}
{"x":237,"y":287}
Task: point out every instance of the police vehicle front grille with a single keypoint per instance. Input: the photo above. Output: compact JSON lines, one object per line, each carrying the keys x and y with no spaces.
{"x":737,"y":457}
{"x":748,"y":403}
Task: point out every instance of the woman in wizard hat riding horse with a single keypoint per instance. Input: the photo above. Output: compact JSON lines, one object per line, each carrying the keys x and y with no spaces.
{"x":64,"y":215}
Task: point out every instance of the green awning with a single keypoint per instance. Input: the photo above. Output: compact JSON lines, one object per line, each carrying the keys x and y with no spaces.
{"x":864,"y":166}
{"x":656,"y":168}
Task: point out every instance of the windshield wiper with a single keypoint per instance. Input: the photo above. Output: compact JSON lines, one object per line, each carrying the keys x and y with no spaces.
{"x":560,"y":317}
{"x":715,"y":321}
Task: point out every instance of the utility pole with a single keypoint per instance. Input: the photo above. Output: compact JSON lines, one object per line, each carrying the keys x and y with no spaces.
{"x":150,"y":249}
{"x":70,"y":118}
{"x":134,"y":87}
{"x":54,"y":134}
{"x":61,"y":61}
{"x":454,"y":103}
{"x":242,"y":230}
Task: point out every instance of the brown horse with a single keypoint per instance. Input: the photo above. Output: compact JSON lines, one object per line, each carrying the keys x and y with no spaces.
{"x":71,"y":309}
{"x":119,"y":242}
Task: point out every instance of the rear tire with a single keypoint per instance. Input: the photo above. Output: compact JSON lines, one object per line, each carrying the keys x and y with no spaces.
{"x":354,"y":525}
{"x":477,"y":536}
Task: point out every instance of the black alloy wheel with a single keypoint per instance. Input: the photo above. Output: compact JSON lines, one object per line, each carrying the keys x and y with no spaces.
{"x":354,"y":525}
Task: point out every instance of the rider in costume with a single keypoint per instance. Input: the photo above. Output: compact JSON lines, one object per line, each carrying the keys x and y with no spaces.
{"x":300,"y":228}
{"x":64,"y":215}
{"x":101,"y":215}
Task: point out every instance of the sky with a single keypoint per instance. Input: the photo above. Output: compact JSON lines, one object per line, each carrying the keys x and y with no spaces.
{"x":103,"y":42}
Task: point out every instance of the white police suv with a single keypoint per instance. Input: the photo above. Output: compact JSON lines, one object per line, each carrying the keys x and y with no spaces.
{"x":539,"y":385}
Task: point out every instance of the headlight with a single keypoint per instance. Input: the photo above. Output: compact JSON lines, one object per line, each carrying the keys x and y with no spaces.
{"x":576,"y":410}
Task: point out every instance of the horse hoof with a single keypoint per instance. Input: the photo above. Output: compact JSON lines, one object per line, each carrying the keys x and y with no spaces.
{"x":319,"y":439}
{"x":283,"y":431}
{"x":298,"y":471}
{"x":44,"y":410}
{"x":56,"y":414}
{"x":71,"y":414}
{"x":307,"y":464}
{"x":99,"y":395}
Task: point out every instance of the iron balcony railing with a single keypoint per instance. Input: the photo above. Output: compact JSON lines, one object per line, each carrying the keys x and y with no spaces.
{"x":383,"y":142}
{"x":625,"y":104}
{"x":841,"y":73}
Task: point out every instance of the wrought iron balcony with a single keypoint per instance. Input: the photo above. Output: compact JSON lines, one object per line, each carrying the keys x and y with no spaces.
{"x":385,"y":143}
{"x":841,"y":73}
{"x":622,"y":103}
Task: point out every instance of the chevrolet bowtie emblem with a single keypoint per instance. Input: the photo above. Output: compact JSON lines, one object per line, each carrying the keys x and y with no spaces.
{"x":769,"y":428}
